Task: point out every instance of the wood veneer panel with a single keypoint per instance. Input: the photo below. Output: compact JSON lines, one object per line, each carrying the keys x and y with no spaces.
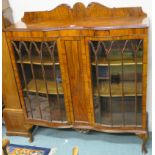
{"x":10,"y":92}
{"x":79,"y":11}
{"x":76,"y":75}
{"x":15,"y":121}
{"x":81,"y":17}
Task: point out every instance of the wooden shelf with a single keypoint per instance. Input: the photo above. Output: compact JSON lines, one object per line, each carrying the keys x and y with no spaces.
{"x":103,"y":78}
{"x":42,"y":87}
{"x":118,"y":118}
{"x":116,"y":89}
{"x":36,"y":60}
{"x":102,"y":62}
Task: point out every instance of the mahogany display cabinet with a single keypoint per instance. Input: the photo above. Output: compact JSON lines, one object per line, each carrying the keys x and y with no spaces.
{"x":81,"y":67}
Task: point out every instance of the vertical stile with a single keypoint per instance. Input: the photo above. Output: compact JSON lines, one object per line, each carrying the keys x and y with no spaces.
{"x":135,"y":56}
{"x":23,"y":73}
{"x":95,"y":51}
{"x":43,"y":71}
{"x":55,"y":78}
{"x":33,"y":74}
{"x":109,"y":72}
{"x":122,"y":107}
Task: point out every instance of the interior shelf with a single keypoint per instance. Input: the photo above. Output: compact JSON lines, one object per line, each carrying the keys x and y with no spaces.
{"x":116,"y":89}
{"x":118,"y":118}
{"x":103,"y":78}
{"x":37,"y":61}
{"x":103,"y":62}
{"x":51,"y":85}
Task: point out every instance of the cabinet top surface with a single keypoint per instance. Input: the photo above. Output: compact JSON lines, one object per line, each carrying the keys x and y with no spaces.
{"x":95,"y":17}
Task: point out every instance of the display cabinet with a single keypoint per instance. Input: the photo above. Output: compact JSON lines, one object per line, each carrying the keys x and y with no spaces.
{"x":82,"y":68}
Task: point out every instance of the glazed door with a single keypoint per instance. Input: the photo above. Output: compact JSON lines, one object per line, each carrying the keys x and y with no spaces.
{"x":117,"y":71}
{"x":74,"y":52}
{"x":39,"y":72}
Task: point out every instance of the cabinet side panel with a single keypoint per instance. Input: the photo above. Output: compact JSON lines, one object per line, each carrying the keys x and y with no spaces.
{"x":15,"y":122}
{"x":10,"y":92}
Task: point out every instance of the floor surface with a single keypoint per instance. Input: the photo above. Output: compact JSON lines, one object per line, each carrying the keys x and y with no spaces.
{"x":94,"y":143}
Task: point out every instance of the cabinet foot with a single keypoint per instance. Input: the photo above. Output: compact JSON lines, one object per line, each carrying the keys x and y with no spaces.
{"x":31,"y":139}
{"x":31,"y":133}
{"x":28,"y":134}
{"x":144,"y":149}
{"x":144,"y":138}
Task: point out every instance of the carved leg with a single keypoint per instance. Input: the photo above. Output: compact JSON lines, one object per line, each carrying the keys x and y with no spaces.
{"x":144,"y":137}
{"x":31,"y":133}
{"x":30,"y":138}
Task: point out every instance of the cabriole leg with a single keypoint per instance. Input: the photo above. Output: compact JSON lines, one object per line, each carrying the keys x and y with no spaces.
{"x":144,"y":137}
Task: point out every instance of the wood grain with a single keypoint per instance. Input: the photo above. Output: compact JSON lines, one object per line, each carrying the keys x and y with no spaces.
{"x":76,"y":75}
{"x":15,"y":121}
{"x":9,"y":83}
{"x":80,"y":11}
{"x":80,"y":17}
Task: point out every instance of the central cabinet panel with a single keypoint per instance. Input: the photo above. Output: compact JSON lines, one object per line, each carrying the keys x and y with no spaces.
{"x":76,"y":72}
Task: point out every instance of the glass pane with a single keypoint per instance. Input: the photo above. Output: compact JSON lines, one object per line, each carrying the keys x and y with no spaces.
{"x":105,"y":110}
{"x":35,"y":110}
{"x":40,"y":76}
{"x":58,"y":110}
{"x":129,"y":78}
{"x":130,"y":116}
{"x":117,"y":81}
{"x":97,"y":109}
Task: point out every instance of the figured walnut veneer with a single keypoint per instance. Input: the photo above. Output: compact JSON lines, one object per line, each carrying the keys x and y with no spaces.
{"x":81,"y":17}
{"x":80,"y":12}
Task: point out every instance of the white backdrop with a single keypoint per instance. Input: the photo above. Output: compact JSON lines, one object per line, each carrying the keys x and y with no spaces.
{"x":19,"y":7}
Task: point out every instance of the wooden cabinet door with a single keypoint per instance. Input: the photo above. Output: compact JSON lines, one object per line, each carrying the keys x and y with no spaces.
{"x":38,"y":69}
{"x":118,"y":80}
{"x":73,"y":50}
